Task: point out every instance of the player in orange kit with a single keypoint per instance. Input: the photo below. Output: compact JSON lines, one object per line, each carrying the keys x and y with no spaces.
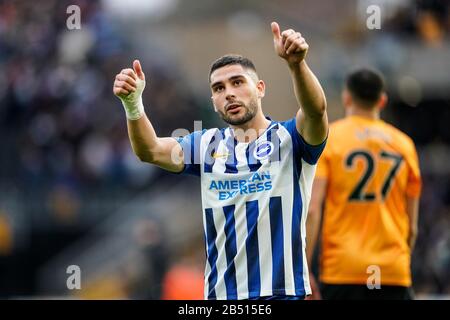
{"x":370,"y":181}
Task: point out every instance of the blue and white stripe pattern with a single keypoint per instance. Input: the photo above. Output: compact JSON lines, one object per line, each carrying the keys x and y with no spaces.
{"x":255,"y":199}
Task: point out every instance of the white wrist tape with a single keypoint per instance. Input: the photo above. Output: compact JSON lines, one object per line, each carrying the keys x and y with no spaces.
{"x":134,"y":108}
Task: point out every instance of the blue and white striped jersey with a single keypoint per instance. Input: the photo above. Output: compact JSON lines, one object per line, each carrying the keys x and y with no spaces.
{"x":255,"y":200}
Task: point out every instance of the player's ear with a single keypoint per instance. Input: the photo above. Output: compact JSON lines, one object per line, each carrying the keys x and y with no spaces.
{"x":261,"y":87}
{"x":382,"y":103}
{"x":346,"y":98}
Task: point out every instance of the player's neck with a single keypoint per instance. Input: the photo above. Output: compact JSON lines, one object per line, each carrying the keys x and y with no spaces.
{"x":252,"y":129}
{"x":373,"y":114}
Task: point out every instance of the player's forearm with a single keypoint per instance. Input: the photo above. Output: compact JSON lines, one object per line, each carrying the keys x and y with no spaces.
{"x":312,"y":232}
{"x":308,"y":91}
{"x":412,"y":209}
{"x":412,"y":237}
{"x":314,"y":215}
{"x":143,"y":138}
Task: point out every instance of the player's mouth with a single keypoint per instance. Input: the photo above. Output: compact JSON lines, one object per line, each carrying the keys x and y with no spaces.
{"x":234,"y":108}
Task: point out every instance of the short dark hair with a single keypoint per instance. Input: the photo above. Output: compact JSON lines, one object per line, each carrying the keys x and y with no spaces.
{"x":230,"y":59}
{"x":365,"y":85}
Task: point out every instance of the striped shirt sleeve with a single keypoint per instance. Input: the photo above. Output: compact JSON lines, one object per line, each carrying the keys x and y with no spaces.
{"x":302,"y":149}
{"x":191,"y":150}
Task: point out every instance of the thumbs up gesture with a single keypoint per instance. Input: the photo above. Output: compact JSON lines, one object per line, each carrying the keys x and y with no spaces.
{"x":129,"y":81}
{"x":128,"y":86}
{"x":289,"y":44}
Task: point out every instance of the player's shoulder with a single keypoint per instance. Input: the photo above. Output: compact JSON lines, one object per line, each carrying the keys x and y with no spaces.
{"x":398,"y":135}
{"x":213,"y":135}
{"x":201,"y":136}
{"x":400,"y":140}
{"x":288,"y":124}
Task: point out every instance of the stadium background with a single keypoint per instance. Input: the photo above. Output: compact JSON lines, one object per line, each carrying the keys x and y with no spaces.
{"x":72,"y":192}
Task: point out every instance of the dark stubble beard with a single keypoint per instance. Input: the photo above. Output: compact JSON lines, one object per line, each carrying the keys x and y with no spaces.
{"x":250,"y":113}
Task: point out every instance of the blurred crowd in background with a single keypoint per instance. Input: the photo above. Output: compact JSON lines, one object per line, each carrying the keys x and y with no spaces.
{"x":66,"y":164}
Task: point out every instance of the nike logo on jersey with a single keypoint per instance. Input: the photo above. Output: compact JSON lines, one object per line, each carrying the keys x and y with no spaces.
{"x":220,"y":155}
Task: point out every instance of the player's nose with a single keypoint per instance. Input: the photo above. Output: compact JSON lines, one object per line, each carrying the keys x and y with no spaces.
{"x":230,"y":95}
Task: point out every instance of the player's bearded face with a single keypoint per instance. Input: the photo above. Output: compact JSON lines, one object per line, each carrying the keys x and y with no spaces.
{"x":235,"y":94}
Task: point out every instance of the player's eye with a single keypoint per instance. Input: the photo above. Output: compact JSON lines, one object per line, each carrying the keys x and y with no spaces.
{"x":218,"y":88}
{"x":237,"y":82}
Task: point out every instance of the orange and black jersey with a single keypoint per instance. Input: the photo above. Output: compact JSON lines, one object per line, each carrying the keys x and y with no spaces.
{"x":371,"y":168}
